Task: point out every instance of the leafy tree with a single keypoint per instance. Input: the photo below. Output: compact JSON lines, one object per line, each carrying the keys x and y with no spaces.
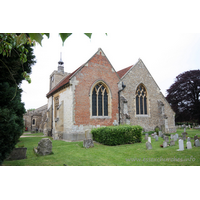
{"x":184,"y":96}
{"x":16,"y":59}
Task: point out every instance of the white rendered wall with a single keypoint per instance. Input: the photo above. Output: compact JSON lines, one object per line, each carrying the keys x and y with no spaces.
{"x":67,"y":98}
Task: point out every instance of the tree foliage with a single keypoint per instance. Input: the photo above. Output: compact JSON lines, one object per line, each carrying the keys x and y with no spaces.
{"x":184,"y":96}
{"x":16,"y":58}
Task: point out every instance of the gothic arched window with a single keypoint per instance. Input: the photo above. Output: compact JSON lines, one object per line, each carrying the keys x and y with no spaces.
{"x":100,"y":100}
{"x":33,"y":122}
{"x":141,"y":100}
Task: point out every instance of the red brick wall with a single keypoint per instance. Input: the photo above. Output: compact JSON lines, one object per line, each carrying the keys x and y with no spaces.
{"x":98,"y":68}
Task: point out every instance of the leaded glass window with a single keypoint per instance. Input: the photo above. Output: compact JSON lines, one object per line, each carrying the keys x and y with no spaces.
{"x":141,"y":100}
{"x":100,"y":100}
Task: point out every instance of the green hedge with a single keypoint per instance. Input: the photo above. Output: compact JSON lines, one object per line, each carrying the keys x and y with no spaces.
{"x":116,"y":135}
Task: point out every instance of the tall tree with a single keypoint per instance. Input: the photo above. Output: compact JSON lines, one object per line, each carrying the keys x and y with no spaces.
{"x":16,"y":60}
{"x":184,"y":96}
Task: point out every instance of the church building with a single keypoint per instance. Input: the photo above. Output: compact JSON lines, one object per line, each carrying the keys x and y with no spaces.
{"x":95,"y":95}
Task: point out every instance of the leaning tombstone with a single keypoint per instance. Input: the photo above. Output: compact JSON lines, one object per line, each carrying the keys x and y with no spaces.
{"x":148,"y":145}
{"x":172,"y":143}
{"x":164,"y":144}
{"x":44,"y":147}
{"x":189,"y":145}
{"x":156,"y":138}
{"x":197,"y":144}
{"x":149,"y":139}
{"x":181,"y":146}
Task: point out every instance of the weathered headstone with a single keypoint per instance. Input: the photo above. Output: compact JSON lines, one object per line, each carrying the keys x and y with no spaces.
{"x":172,"y":143}
{"x":148,"y":145}
{"x":181,"y":146}
{"x":44,"y":147}
{"x":184,"y":130}
{"x":164,"y":144}
{"x":149,"y":139}
{"x":115,"y":123}
{"x":146,"y":136}
{"x":195,"y":138}
{"x":17,"y":154}
{"x":160,"y":133}
{"x":189,"y":145}
{"x":171,"y":137}
{"x":188,"y":139}
{"x":184,"y":135}
{"x":197,"y":144}
{"x":166,"y":139}
{"x":156,"y":138}
{"x":87,"y":143}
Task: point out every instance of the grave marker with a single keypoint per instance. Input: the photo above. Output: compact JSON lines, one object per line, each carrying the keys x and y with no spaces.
{"x":197,"y":144}
{"x":148,"y":145}
{"x":164,"y":144}
{"x":189,"y":145}
{"x":172,"y":143}
{"x":156,"y":138}
{"x":149,"y":139}
{"x":181,"y":146}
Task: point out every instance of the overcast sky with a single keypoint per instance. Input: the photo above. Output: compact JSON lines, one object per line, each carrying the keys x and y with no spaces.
{"x":165,"y":56}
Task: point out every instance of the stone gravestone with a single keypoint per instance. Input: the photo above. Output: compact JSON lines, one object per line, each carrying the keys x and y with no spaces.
{"x":184,"y":135}
{"x":44,"y":147}
{"x":115,"y":123}
{"x":181,"y":146}
{"x":172,"y":143}
{"x":166,"y":139}
{"x":156,"y":138}
{"x":189,"y":145}
{"x":146,"y":136}
{"x":197,"y":144}
{"x":148,"y":145}
{"x":195,"y":138}
{"x":149,"y":139}
{"x":184,"y":130}
{"x":188,"y":139}
{"x":164,"y":144}
{"x":17,"y":154}
{"x":160,"y":133}
{"x":88,"y":143}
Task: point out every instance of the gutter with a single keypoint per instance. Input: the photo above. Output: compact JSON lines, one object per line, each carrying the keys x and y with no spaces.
{"x":123,"y":86}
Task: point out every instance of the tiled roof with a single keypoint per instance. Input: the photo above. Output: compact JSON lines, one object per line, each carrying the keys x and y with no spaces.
{"x":62,"y":83}
{"x":123,"y":71}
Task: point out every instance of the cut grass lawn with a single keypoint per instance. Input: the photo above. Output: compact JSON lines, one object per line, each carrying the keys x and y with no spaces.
{"x":74,"y":154}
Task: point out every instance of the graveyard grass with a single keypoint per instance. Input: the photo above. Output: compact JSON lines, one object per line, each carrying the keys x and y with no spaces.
{"x":74,"y":154}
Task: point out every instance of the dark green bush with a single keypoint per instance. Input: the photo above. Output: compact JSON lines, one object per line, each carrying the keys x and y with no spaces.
{"x":116,"y":135}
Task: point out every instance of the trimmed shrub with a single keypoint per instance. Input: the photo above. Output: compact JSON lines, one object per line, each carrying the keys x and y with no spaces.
{"x":116,"y":135}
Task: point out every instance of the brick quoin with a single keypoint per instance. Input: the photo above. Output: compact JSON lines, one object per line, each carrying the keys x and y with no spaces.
{"x":98,"y":68}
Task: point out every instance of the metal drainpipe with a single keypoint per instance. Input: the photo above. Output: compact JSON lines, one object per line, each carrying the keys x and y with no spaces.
{"x":52,"y":119}
{"x":123,"y":86}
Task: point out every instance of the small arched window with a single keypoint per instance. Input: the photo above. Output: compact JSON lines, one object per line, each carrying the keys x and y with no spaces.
{"x":100,"y":100}
{"x":141,"y":100}
{"x":33,"y":122}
